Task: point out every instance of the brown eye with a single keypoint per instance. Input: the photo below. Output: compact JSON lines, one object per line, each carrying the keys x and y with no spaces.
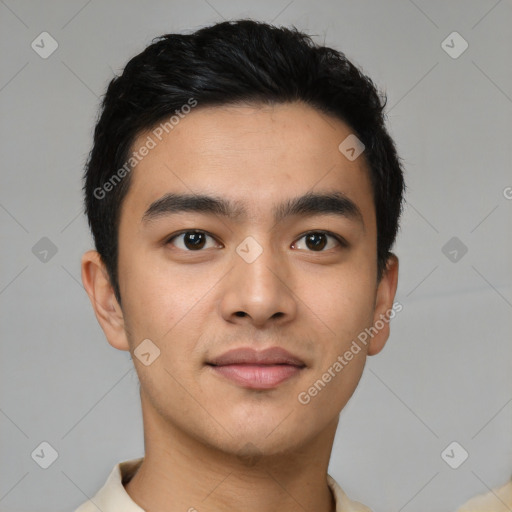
{"x":317,"y":241}
{"x":191,"y":240}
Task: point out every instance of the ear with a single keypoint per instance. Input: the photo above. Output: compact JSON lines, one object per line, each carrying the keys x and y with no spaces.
{"x":385,"y":296}
{"x":101,"y":294}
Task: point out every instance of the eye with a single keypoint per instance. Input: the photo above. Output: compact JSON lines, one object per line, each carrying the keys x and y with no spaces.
{"x":317,"y":241}
{"x":191,"y":240}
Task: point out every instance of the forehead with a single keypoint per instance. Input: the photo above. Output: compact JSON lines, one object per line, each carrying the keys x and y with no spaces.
{"x":252,"y":155}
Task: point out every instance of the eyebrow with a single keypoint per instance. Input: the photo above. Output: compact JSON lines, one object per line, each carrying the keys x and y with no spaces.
{"x":335,"y":203}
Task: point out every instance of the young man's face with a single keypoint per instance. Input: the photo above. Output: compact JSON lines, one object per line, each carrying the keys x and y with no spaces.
{"x":249,"y":281}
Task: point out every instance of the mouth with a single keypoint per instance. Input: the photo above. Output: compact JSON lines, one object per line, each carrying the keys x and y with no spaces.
{"x":253,"y":369}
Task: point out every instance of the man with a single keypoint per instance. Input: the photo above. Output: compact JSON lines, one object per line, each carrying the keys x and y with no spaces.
{"x":244,"y":195}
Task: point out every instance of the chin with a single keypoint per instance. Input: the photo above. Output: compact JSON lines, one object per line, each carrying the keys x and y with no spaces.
{"x":252,"y":444}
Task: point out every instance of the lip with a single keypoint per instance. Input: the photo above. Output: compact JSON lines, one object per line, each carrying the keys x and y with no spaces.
{"x":253,"y":369}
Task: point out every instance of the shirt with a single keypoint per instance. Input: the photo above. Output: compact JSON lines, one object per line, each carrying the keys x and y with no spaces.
{"x":497,"y":500}
{"x":112,"y":497}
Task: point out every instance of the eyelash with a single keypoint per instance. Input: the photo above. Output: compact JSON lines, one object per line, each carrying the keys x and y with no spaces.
{"x":341,"y":241}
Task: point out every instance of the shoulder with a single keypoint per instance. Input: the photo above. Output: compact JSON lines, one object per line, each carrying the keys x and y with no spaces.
{"x":497,"y":500}
{"x":112,"y":497}
{"x":343,"y":502}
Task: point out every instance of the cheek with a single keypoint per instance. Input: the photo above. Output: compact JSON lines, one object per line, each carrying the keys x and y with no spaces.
{"x":158,"y":294}
{"x":166,"y":308}
{"x":342,"y":302}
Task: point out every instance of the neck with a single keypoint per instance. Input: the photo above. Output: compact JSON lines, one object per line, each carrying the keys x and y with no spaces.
{"x":179,"y":473}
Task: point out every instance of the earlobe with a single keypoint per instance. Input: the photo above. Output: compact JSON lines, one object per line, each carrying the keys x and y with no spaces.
{"x":386,"y":291}
{"x":101,"y":294}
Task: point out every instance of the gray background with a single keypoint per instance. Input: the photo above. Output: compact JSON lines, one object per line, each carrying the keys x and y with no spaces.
{"x":445,"y":374}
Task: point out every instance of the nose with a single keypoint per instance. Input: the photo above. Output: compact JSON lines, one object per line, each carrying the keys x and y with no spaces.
{"x":259,"y":292}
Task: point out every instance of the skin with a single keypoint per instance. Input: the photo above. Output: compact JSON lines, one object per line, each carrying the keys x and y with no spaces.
{"x":209,"y":443}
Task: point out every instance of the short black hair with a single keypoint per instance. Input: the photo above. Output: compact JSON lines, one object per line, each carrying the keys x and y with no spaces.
{"x":232,"y":62}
